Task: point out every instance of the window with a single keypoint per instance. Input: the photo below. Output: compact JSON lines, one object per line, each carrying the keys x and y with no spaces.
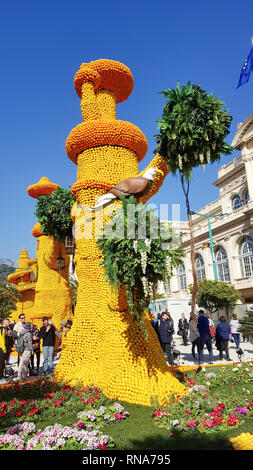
{"x":168,"y":287}
{"x":200,"y":267}
{"x":246,"y":197}
{"x":236,"y":202}
{"x":222,"y":265}
{"x":182,"y":285}
{"x":246,"y":256}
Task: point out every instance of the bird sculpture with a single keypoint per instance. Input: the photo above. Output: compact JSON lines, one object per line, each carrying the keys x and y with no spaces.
{"x":137,"y":186}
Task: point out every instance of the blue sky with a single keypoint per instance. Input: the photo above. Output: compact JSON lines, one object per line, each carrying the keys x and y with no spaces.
{"x":44,"y":43}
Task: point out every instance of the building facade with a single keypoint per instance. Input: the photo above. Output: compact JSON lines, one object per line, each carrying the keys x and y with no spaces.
{"x":232,"y":232}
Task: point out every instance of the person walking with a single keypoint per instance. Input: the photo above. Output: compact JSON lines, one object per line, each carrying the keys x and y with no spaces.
{"x":165,"y":331}
{"x":47,"y":334}
{"x":2,"y":352}
{"x":25,"y":353}
{"x":183,"y":327}
{"x":222,"y":336}
{"x":211,"y":326}
{"x":36,"y":348}
{"x":18,"y":328}
{"x":194,"y":336}
{"x":204,"y":337}
{"x":234,"y":325}
{"x":9,"y":342}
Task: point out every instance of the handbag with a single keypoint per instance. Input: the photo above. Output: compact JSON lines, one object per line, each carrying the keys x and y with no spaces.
{"x":212,"y":331}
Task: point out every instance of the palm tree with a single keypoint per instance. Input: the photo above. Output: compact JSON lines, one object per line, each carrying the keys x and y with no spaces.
{"x":192,"y":132}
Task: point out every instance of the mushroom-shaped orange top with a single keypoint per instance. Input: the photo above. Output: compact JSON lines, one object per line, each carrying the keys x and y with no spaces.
{"x":106,"y":74}
{"x":36,"y":231}
{"x":42,"y":188}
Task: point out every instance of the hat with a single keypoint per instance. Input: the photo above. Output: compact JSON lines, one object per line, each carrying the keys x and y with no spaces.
{"x":27,"y":325}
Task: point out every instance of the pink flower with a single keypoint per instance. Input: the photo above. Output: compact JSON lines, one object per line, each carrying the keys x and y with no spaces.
{"x":79,"y":425}
{"x":118,"y":416}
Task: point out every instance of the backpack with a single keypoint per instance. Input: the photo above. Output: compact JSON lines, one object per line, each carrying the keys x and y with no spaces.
{"x":20,"y":344}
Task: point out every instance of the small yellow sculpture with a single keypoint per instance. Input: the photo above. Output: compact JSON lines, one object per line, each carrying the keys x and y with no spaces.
{"x":53,"y":297}
{"x":25,"y":279}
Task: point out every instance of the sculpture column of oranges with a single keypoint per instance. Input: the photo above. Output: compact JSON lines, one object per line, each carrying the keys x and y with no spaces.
{"x":105,"y":346}
{"x":53,"y":296}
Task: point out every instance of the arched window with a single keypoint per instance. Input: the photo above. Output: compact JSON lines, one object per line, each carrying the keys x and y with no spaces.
{"x":246,"y":197}
{"x":222,"y":265}
{"x":246,"y":256}
{"x":236,"y":202}
{"x":182,"y":284}
{"x":200,"y":267}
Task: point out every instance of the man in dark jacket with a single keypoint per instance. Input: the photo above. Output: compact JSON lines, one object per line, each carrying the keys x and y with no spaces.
{"x":222,"y":336}
{"x":165,"y":331}
{"x":47,"y":333}
{"x":204,"y":337}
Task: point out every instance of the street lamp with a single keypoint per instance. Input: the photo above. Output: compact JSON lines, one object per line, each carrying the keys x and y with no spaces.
{"x":208,"y":216}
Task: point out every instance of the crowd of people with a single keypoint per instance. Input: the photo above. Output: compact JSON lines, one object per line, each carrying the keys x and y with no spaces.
{"x":29,"y":341}
{"x":201,"y":332}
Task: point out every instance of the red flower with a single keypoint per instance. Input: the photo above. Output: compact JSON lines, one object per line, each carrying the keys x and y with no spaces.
{"x":102,"y":446}
{"x":49,"y":395}
{"x":3,"y":413}
{"x":91,"y":400}
{"x":158,"y":413}
{"x":18,"y":413}
{"x":233,"y":420}
{"x":34,"y":411}
{"x":57,"y":403}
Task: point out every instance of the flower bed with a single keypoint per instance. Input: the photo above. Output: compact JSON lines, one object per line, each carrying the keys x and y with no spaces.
{"x":43,"y":399}
{"x":212,"y":402}
{"x":25,"y":437}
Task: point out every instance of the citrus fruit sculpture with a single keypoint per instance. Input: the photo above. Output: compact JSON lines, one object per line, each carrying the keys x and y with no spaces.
{"x":24,"y":277}
{"x":106,"y":347}
{"x":53,"y":296}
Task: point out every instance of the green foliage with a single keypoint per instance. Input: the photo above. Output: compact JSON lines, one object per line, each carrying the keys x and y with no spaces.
{"x":141,"y":258}
{"x":192,"y":129}
{"x":246,"y":323}
{"x":215,"y":295}
{"x":8,"y":298}
{"x":53,"y":213}
{"x":5,"y":271}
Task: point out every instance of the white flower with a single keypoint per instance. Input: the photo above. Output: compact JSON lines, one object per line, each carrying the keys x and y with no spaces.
{"x":148,"y":242}
{"x":145,"y":285}
{"x":144,"y":262}
{"x":174,"y":422}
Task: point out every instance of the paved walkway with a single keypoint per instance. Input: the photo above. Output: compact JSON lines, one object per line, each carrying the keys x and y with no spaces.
{"x":185,"y":358}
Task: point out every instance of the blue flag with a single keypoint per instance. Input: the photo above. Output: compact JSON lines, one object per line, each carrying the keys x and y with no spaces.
{"x":246,"y":69}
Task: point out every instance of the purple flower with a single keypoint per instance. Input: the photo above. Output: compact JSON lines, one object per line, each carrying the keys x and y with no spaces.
{"x":242,"y":411}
